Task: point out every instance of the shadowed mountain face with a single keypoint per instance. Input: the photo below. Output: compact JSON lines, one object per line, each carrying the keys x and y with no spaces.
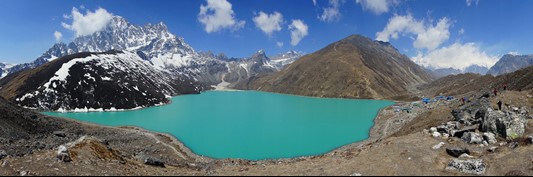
{"x":355,"y":67}
{"x":94,"y":81}
{"x":510,"y":63}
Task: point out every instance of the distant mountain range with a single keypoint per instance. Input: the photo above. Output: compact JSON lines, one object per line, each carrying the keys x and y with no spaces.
{"x":442,"y":72}
{"x":157,"y":45}
{"x":354,"y":67}
{"x":510,"y":63}
{"x":171,"y":67}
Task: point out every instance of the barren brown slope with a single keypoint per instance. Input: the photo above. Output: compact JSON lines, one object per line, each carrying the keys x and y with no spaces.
{"x":355,"y":67}
{"x":520,"y":80}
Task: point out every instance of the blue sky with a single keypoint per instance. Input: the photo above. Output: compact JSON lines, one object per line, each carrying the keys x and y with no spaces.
{"x":437,"y":33}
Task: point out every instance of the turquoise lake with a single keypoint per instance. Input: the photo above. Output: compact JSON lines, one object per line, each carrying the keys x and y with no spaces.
{"x":251,"y":125}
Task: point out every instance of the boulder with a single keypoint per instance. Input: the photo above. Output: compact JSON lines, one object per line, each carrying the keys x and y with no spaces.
{"x":63,"y":154}
{"x":443,"y":129}
{"x":3,"y":154}
{"x":508,"y":125}
{"x":457,"y":152}
{"x":154,"y":162}
{"x":459,"y":133}
{"x":61,"y":134}
{"x":472,"y":138}
{"x":490,"y":137}
{"x":530,"y":139}
{"x":473,"y":166}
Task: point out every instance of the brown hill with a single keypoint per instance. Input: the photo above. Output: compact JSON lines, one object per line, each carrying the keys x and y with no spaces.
{"x":520,"y":80}
{"x":355,"y":67}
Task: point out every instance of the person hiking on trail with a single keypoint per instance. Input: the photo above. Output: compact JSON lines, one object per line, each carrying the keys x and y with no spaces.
{"x":495,"y":92}
{"x":505,"y":87}
{"x":463,"y":101}
{"x":500,"y":105}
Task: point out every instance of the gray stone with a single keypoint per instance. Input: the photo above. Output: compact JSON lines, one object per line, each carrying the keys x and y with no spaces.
{"x":61,"y":134}
{"x":472,"y":138}
{"x":513,"y":145}
{"x":473,"y":166}
{"x":63,"y":154}
{"x":154,"y":162}
{"x":3,"y":154}
{"x":457,"y":152}
{"x":5,"y":164}
{"x":524,"y":110}
{"x":490,"y":137}
{"x":507,"y":125}
{"x":459,"y":133}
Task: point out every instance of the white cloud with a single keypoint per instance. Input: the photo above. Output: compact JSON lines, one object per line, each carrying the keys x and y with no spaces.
{"x":89,"y":23}
{"x":376,"y":6}
{"x":279,"y":44}
{"x":314,"y":3}
{"x":331,"y":13}
{"x":58,"y":35}
{"x":218,"y":15}
{"x":269,"y":23}
{"x":469,"y":2}
{"x":298,"y":31}
{"x":427,"y":35}
{"x":457,"y":56}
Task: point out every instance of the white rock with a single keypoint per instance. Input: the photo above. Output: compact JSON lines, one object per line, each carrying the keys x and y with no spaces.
{"x":62,"y":149}
{"x":465,"y":155}
{"x":438,"y":146}
{"x":436,"y":134}
{"x":490,"y":137}
{"x":356,"y":174}
{"x":433,"y":129}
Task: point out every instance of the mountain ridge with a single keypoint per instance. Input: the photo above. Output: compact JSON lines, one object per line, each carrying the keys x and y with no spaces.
{"x":354,"y":67}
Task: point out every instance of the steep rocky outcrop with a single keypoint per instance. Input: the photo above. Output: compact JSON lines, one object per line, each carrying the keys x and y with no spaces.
{"x":355,"y":67}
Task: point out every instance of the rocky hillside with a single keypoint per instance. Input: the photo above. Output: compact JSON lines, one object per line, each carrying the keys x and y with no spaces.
{"x":93,"y":82}
{"x":464,"y":83}
{"x":355,"y":67}
{"x":510,"y":63}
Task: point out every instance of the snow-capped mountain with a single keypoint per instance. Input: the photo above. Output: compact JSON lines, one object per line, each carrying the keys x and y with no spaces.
{"x":284,"y":59}
{"x":4,"y":69}
{"x":165,"y":51}
{"x":109,"y":81}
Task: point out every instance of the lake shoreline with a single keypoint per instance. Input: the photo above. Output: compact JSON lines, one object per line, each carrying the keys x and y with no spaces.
{"x":370,"y":138}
